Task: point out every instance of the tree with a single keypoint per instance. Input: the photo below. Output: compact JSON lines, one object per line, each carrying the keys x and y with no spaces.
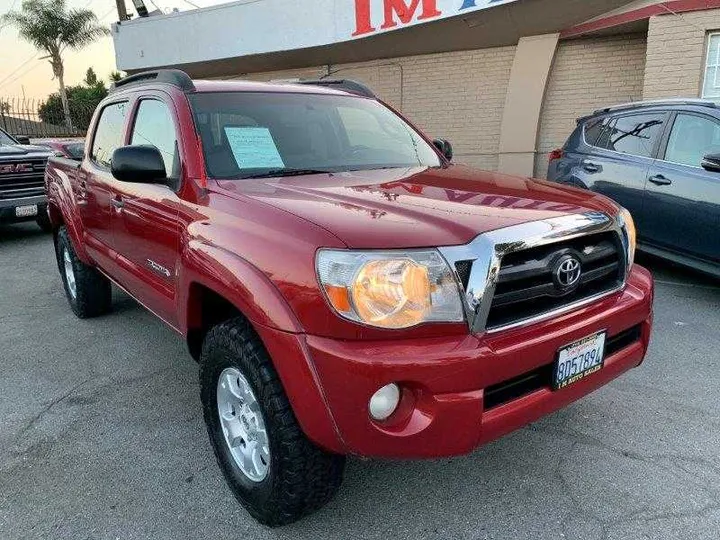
{"x":82,"y":101}
{"x":52,"y":28}
{"x":5,"y":106}
{"x":116,"y":76}
{"x":91,"y":78}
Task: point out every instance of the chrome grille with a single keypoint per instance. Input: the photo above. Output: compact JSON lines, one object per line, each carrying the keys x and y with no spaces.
{"x":512,"y":276}
{"x":526,"y":288}
{"x":17,"y":185}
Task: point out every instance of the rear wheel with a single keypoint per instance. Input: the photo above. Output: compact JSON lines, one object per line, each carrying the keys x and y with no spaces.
{"x":88,"y":291}
{"x":273,"y":469}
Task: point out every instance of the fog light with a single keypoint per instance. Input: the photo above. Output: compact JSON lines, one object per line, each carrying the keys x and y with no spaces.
{"x":384,"y":402}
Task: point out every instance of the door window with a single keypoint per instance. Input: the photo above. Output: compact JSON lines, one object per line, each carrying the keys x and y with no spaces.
{"x":108,"y":133}
{"x":692,"y":138}
{"x":154,"y":126}
{"x":635,"y":134}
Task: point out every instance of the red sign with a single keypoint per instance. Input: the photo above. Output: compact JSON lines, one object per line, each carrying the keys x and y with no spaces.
{"x":395,"y":12}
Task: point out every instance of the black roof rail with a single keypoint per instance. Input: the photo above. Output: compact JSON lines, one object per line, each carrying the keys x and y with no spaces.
{"x":346,"y":85}
{"x":657,"y":103}
{"x":174,"y":77}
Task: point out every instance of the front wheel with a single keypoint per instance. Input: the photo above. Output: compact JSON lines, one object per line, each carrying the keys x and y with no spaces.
{"x":273,"y":469}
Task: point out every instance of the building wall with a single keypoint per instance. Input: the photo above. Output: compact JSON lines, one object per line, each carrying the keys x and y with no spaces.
{"x":458,"y":96}
{"x":676,"y":53}
{"x":587,"y":74}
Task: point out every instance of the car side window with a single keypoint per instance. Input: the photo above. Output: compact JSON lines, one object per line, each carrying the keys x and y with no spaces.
{"x":154,"y":126}
{"x":692,"y":138}
{"x":634,"y":134}
{"x":108,"y":133}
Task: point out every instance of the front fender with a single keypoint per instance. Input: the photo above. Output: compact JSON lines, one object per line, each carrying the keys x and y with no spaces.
{"x":256,"y":297}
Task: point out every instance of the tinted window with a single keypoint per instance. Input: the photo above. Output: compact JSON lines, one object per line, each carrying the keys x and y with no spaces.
{"x":692,"y":137}
{"x":154,"y":126}
{"x":109,"y":133}
{"x":248,"y":134}
{"x":635,"y":134}
{"x":593,"y":129}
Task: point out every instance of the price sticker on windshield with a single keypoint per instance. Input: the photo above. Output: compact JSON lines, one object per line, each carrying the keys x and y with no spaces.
{"x":254,"y":148}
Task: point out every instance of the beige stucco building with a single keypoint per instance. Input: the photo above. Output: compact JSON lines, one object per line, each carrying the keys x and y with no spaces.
{"x":503,"y":80}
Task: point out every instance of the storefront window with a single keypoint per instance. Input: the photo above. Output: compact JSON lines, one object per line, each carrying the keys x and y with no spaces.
{"x":711,"y":87}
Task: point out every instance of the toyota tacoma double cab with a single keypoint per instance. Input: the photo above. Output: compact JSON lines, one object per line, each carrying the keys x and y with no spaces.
{"x":345,"y":288}
{"x":22,"y":186}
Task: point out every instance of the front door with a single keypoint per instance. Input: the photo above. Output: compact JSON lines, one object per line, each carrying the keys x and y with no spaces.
{"x":94,"y":185}
{"x":147,"y":231}
{"x":682,"y":200}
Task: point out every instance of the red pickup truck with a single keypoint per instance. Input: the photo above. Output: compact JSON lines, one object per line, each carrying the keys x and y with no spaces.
{"x":346,"y":289}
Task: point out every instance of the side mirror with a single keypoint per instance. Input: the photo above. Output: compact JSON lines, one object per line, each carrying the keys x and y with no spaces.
{"x":711,"y":162}
{"x":138,"y":164}
{"x":22,"y":139}
{"x":445,"y":148}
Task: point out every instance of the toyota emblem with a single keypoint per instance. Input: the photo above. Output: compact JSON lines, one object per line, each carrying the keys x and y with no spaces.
{"x":567,"y":272}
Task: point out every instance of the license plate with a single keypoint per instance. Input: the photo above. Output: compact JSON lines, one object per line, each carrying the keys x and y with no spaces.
{"x":578,"y":360}
{"x":26,"y":211}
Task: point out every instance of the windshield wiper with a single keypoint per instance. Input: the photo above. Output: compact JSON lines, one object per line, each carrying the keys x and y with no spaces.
{"x":276,"y":173}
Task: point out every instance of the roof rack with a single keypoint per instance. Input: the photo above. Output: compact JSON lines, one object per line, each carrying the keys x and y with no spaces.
{"x":656,"y":103}
{"x":346,"y":85}
{"x":174,"y":77}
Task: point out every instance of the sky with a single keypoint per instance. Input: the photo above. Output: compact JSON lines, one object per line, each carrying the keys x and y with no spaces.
{"x":21,"y":70}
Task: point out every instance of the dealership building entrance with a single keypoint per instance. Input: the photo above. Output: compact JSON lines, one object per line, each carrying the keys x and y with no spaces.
{"x":503,"y":80}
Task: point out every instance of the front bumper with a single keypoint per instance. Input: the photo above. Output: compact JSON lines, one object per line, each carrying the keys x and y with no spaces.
{"x":444,"y":380}
{"x":8,"y":206}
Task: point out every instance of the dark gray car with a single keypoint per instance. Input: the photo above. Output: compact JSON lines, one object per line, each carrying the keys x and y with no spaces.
{"x":661,"y":161}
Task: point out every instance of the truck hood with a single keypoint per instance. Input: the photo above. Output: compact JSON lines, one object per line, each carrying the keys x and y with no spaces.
{"x":23,"y":150}
{"x":417,"y":207}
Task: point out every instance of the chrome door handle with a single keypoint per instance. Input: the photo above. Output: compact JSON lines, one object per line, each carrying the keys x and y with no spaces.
{"x":117,"y":203}
{"x":590,"y":167}
{"x":660,"y":180}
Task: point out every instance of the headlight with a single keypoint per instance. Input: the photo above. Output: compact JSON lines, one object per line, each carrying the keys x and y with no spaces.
{"x":390,"y":289}
{"x":628,"y":225}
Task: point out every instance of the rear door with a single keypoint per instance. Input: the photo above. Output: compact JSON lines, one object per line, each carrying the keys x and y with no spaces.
{"x":621,"y":149}
{"x":146,"y":220}
{"x":682,"y":200}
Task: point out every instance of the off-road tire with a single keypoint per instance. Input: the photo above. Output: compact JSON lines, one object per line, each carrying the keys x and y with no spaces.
{"x":302,"y":477}
{"x":43,"y":221}
{"x":93,"y":290}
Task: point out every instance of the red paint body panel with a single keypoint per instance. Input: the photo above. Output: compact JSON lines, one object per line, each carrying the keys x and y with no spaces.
{"x":254,"y":243}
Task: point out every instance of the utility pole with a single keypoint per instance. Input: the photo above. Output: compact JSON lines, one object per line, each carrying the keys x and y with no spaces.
{"x":122,"y":10}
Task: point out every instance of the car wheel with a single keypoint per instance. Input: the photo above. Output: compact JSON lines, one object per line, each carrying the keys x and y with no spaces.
{"x":43,"y":221}
{"x":273,"y":469}
{"x":88,"y":291}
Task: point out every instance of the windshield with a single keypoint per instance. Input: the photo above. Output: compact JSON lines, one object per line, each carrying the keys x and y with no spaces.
{"x":75,"y":150}
{"x":255,"y":135}
{"x":6,"y":139}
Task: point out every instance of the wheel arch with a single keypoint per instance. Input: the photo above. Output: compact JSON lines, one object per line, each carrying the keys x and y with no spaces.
{"x":219,"y":286}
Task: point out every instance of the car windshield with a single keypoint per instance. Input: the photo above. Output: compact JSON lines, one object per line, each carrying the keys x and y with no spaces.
{"x":5,"y":139}
{"x":255,"y":135}
{"x":75,"y":150}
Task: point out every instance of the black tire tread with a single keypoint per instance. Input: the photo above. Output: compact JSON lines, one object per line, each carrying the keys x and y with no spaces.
{"x":94,"y":291}
{"x":307,"y":477}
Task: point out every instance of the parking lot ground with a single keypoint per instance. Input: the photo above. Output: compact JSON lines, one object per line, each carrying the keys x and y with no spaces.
{"x":101,"y":437}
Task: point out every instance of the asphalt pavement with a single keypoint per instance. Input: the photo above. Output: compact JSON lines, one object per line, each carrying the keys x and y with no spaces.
{"x":101,"y":437}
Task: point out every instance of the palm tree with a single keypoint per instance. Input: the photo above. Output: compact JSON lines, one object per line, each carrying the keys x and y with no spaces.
{"x":52,"y":28}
